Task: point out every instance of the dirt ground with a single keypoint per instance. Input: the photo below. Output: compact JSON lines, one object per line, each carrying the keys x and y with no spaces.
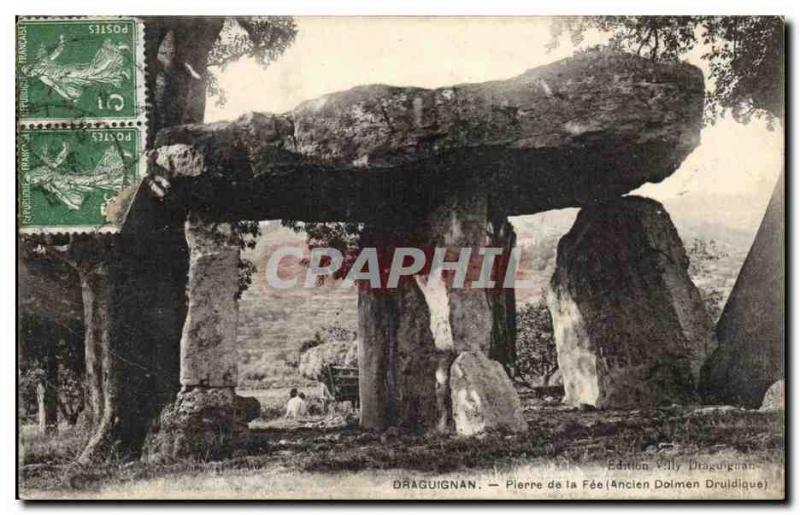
{"x":311,"y":459}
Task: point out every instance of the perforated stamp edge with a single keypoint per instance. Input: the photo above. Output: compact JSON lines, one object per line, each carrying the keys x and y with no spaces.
{"x":140,"y":121}
{"x":140,"y":83}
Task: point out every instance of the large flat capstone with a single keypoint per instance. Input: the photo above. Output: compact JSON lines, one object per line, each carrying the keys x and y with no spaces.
{"x":592,"y":126}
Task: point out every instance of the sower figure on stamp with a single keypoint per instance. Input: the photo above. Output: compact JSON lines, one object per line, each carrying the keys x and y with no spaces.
{"x":70,"y":80}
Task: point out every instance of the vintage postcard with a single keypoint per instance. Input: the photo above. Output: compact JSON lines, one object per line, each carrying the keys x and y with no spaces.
{"x":401,"y":258}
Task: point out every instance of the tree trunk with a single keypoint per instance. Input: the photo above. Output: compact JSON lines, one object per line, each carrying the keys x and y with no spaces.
{"x":96,"y":300}
{"x":139,"y":299}
{"x":176,"y":52}
{"x":147,"y":307}
{"x":46,"y":390}
{"x":48,"y":416}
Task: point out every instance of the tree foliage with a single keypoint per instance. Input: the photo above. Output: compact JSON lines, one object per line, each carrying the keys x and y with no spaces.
{"x":536,"y":346}
{"x":704,"y":257}
{"x":744,"y":54}
{"x":245,"y":233}
{"x":263,"y":38}
{"x":342,"y":236}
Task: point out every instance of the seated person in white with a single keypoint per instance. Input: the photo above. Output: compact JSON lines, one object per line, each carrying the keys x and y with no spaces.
{"x":295,"y":407}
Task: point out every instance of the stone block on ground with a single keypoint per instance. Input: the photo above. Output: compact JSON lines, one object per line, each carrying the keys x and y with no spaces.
{"x":775,"y":398}
{"x":203,"y":423}
{"x":483,"y":397}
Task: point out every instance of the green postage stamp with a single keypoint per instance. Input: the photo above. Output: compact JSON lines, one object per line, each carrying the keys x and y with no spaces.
{"x":81,"y":119}
{"x":67,"y":177}
{"x":73,"y":69}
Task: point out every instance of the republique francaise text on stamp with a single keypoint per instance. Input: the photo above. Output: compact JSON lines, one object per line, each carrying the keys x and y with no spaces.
{"x":81,"y":119}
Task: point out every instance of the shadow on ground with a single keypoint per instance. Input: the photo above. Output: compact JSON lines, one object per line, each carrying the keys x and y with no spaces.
{"x":556,"y":435}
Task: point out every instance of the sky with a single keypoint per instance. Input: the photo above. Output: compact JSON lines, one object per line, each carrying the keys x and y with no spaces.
{"x":332,"y":54}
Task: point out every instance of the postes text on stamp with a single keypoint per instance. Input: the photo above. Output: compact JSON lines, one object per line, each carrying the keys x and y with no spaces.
{"x":67,"y":177}
{"x":78,"y":69}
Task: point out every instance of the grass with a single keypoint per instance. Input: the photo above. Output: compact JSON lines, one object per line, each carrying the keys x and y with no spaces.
{"x":42,"y":449}
{"x":565,"y":436}
{"x":555,"y":435}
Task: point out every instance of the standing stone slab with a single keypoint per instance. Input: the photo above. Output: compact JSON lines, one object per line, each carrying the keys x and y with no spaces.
{"x":503,"y":347}
{"x":751,"y":329}
{"x":377,"y":335}
{"x":483,"y":396}
{"x":208,"y":343}
{"x":410,"y":335}
{"x":397,"y":360}
{"x":630,"y":327}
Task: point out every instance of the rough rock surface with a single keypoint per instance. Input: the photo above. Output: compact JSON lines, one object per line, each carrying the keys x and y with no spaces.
{"x":629,"y":324}
{"x":202,"y":423}
{"x":483,"y":396}
{"x":247,"y":408}
{"x":751,"y":328}
{"x":207,"y":420}
{"x":208,"y":342}
{"x":775,"y":398}
{"x":397,"y":360}
{"x":592,"y":126}
{"x":314,"y":360}
{"x":503,"y":348}
{"x":411,"y":334}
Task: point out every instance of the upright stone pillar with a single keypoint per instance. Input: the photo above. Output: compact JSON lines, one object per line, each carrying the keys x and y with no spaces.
{"x":397,"y":355}
{"x":208,"y":341}
{"x":503,"y":348}
{"x":751,"y":330}
{"x":630,"y":326}
{"x":204,"y":421}
{"x":411,"y":335}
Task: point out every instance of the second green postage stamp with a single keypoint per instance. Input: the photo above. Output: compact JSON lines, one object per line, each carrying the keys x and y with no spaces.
{"x":68,"y":177}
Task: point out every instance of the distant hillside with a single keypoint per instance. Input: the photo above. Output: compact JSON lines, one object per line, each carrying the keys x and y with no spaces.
{"x":273,"y":323}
